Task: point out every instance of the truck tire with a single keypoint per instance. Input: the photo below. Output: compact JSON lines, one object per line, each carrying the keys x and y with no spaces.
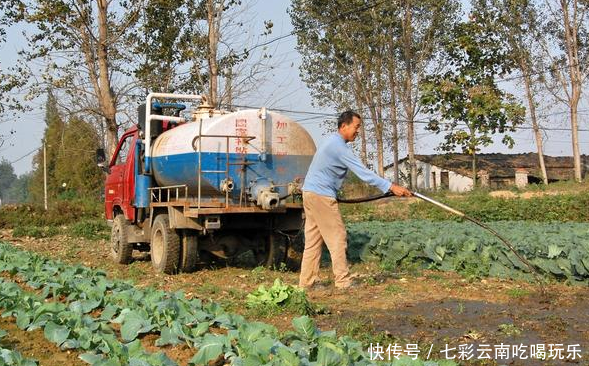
{"x":121,"y":251}
{"x":188,"y":252}
{"x":274,"y":252}
{"x":165,"y":246}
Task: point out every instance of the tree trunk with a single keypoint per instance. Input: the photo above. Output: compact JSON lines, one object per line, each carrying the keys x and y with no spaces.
{"x":473,"y":152}
{"x":407,"y":94}
{"x":392,"y":71}
{"x":575,"y":136}
{"x":105,"y":94}
{"x":378,"y":125}
{"x":213,"y":20}
{"x":535,"y":126}
{"x":572,"y":48}
{"x":359,"y":105}
{"x":378,"y":137}
{"x":474,"y":169}
{"x":395,"y":127}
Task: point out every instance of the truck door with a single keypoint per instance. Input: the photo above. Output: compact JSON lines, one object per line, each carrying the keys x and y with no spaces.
{"x":119,"y":184}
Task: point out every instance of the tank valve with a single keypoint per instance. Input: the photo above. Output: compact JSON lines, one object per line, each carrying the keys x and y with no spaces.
{"x":227,"y":185}
{"x":268,"y":200}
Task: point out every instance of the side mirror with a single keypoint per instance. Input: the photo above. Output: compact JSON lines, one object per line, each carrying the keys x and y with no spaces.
{"x":101,"y":160}
{"x":100,"y":156}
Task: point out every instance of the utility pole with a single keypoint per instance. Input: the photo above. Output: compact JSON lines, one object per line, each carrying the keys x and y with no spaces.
{"x":45,"y":173}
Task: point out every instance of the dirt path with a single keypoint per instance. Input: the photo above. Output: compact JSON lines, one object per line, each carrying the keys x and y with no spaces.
{"x":429,"y":308}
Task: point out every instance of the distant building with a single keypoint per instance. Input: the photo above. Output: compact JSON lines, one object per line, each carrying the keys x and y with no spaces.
{"x":454,"y":171}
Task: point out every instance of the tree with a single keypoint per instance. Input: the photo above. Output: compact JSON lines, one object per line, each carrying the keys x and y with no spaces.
{"x":12,"y":78}
{"x":344,"y":48}
{"x":83,"y":46}
{"x":567,"y":26}
{"x":54,"y":143}
{"x":464,"y":100}
{"x":517,"y":21}
{"x":80,"y":177}
{"x":191,"y":47}
{"x":19,"y":190}
{"x":166,"y":40}
{"x":372,"y":55}
{"x":7,"y":178}
{"x":424,"y":28}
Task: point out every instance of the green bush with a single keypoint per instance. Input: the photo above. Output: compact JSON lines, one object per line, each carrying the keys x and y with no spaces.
{"x":90,"y":229}
{"x":564,"y":208}
{"x":59,"y":213}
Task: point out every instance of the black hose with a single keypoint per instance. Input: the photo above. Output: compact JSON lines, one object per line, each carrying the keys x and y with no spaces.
{"x":365,"y":199}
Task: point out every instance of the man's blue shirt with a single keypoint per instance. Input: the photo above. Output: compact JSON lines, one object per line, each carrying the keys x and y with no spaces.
{"x":330,"y":166}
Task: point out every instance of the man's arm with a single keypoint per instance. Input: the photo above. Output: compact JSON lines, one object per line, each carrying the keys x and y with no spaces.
{"x":354,"y":164}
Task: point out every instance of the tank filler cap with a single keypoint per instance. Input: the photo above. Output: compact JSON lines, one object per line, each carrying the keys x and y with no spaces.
{"x":204,"y":110}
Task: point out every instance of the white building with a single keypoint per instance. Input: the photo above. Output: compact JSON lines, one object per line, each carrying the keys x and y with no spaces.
{"x":454,"y":171}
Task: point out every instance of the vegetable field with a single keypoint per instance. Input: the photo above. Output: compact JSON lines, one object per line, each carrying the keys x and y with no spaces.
{"x":557,"y":250}
{"x":427,"y":284}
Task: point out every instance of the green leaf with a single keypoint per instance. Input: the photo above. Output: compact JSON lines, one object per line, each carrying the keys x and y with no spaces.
{"x":305,"y":327}
{"x":200,"y":329}
{"x":328,"y":357}
{"x":23,"y":320}
{"x":286,"y":357}
{"x":133,"y":325}
{"x":212,"y":346}
{"x":56,"y":333}
{"x":167,"y":336}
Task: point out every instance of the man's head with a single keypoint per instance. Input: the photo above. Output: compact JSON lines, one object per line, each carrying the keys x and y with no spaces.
{"x":348,"y":125}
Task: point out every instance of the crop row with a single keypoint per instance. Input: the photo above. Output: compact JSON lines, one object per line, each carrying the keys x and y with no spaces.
{"x":557,"y":250}
{"x":77,"y":306}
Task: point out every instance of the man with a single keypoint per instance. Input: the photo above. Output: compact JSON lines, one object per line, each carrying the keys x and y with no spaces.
{"x":324,"y":222}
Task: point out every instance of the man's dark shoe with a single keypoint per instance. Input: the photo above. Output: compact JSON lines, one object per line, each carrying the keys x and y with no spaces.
{"x":317,"y":286}
{"x":354,"y":284}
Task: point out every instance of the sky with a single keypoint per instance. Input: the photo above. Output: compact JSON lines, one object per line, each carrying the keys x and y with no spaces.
{"x":284,"y":90}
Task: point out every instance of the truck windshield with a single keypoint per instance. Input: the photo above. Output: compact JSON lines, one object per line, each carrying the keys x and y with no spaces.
{"x":123,"y":150}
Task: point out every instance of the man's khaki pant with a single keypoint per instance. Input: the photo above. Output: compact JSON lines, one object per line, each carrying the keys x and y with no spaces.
{"x":323,"y":223}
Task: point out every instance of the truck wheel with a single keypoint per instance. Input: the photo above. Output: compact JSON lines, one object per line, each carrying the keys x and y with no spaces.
{"x":274,"y":251}
{"x":121,"y":250}
{"x":165,"y":246}
{"x":188,"y":252}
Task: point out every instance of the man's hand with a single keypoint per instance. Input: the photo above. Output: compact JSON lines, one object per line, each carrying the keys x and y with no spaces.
{"x":400,"y":191}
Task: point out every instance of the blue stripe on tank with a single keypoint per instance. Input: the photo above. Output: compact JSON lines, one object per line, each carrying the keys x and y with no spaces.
{"x":179,"y":169}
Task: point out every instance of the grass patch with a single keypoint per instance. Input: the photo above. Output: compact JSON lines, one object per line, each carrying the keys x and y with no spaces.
{"x":394,"y":289}
{"x":91,"y":229}
{"x":517,"y":293}
{"x":509,"y":330}
{"x":209,"y":288}
{"x":35,"y":231}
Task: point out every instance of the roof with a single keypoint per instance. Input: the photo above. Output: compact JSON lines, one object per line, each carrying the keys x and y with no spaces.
{"x":505,"y":165}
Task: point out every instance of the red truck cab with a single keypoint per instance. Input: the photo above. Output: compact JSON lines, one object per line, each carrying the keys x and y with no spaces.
{"x":119,"y":186}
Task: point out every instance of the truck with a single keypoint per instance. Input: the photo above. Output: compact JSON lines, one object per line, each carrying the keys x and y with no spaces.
{"x":191,"y":185}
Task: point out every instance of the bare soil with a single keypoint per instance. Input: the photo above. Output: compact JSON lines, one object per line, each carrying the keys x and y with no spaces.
{"x":429,"y":308}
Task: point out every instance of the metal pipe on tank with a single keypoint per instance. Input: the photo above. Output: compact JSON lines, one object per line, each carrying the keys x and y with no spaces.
{"x":262,"y":114}
{"x":149,"y":117}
